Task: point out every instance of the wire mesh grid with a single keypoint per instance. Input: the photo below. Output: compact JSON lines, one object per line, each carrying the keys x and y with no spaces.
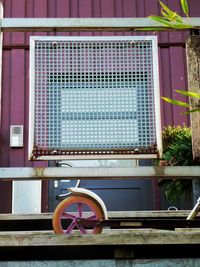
{"x":94,"y":96}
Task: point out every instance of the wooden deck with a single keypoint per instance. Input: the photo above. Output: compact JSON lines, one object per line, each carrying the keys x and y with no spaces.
{"x":107,"y":237}
{"x":16,"y":243}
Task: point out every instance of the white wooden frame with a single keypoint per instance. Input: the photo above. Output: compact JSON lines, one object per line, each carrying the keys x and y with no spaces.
{"x":96,"y":156}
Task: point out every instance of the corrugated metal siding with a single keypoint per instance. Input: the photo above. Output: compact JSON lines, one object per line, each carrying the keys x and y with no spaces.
{"x":16,"y":58}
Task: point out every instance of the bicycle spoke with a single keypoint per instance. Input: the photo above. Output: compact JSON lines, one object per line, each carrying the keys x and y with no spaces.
{"x":70,"y":228}
{"x":80,"y":209}
{"x":81,"y":228}
{"x":66,"y":215}
{"x":93,"y":217}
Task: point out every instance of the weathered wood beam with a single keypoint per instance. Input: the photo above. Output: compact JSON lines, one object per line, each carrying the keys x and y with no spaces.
{"x":110,"y":237}
{"x":193,"y":66}
{"x":82,"y":24}
{"x":111,"y":215}
{"x":151,"y":172}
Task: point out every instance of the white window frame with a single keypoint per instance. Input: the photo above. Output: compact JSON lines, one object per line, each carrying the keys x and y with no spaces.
{"x":94,"y":156}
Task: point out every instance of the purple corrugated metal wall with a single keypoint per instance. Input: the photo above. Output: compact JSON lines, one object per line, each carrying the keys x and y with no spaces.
{"x":16,"y":64}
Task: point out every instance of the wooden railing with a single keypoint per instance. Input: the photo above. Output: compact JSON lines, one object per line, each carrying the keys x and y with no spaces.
{"x":150,"y":172}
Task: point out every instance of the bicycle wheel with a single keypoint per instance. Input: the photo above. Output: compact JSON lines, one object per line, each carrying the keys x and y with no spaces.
{"x":73,"y":208}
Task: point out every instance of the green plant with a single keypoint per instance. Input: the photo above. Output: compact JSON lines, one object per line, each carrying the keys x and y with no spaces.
{"x":191,"y":107}
{"x":177,"y":151}
{"x":172,"y":21}
{"x":177,"y":145}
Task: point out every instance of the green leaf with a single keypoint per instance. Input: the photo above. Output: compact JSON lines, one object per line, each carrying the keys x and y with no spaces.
{"x":160,"y":20}
{"x":176,"y":102}
{"x":165,"y":14}
{"x":179,"y":19}
{"x":191,"y":111}
{"x":181,"y":26}
{"x":191,"y":94}
{"x":194,"y":110}
{"x":169,"y":11}
{"x":175,"y":17}
{"x":185,"y":8}
{"x":149,"y":29}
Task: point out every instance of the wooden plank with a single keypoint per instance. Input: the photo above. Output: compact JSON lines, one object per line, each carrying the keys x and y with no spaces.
{"x":63,"y":11}
{"x":27,"y":162}
{"x":7,"y":14}
{"x":82,"y":24}
{"x":111,"y":215}
{"x":108,"y":11}
{"x":17,"y":93}
{"x":193,"y":65}
{"x":108,"y":8}
{"x":40,"y":10}
{"x":119,"y":220}
{"x":173,"y":36}
{"x":5,"y":200}
{"x":95,"y":156}
{"x":18,"y":11}
{"x":165,"y":86}
{"x":85,"y":11}
{"x":108,"y":237}
{"x":40,"y":173}
{"x":177,"y":80}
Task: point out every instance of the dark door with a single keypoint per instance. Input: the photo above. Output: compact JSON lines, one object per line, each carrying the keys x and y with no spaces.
{"x":118,"y":195}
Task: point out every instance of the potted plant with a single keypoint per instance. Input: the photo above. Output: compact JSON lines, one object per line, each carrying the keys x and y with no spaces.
{"x":177,"y":151}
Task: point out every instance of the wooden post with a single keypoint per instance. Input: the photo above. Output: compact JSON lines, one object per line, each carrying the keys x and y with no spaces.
{"x":193,"y":65}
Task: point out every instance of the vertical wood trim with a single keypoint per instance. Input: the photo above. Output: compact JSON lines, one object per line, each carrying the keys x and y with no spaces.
{"x":85,"y":11}
{"x":5,"y":187}
{"x":27,"y":162}
{"x":107,"y":8}
{"x":1,"y":59}
{"x":165,"y":87}
{"x":40,"y":11}
{"x":17,"y":101}
{"x":96,"y":8}
{"x":18,"y":11}
{"x":193,"y":65}
{"x":129,"y":9}
{"x":7,"y":14}
{"x":107,"y":11}
{"x":96,"y":13}
{"x":51,"y":13}
{"x":177,"y":83}
{"x":62,"y":8}
{"x":5,"y":106}
{"x":175,"y":36}
{"x":119,"y":13}
{"x":29,"y":14}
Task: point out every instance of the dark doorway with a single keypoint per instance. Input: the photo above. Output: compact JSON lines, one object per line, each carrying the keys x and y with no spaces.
{"x":118,"y":195}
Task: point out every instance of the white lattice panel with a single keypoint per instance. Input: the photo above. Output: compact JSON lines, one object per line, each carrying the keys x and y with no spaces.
{"x":91,"y":94}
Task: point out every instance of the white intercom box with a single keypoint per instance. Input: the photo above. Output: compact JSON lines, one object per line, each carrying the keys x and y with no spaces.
{"x":16,"y":136}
